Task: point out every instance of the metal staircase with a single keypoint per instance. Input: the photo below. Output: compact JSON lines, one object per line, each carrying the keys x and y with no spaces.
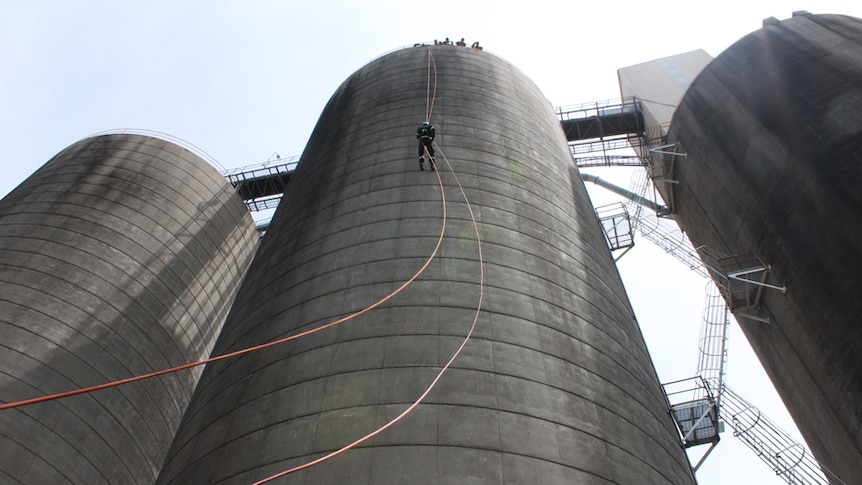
{"x":701,"y":405}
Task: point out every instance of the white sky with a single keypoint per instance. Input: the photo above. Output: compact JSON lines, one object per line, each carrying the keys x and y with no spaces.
{"x":245,"y":79}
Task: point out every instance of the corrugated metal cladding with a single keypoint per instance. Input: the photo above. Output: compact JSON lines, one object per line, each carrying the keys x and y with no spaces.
{"x":772,"y":130}
{"x":555,"y":386}
{"x":119,"y":257}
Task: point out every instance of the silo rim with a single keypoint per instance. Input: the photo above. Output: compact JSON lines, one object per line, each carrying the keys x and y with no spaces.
{"x":165,"y":137}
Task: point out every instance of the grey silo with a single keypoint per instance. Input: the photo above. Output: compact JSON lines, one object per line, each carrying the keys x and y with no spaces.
{"x":119,"y":257}
{"x":555,"y":385}
{"x":772,"y":132}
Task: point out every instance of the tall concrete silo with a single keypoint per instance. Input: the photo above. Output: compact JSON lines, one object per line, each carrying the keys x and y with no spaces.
{"x":119,"y":257}
{"x":771,"y":179}
{"x":555,"y":384}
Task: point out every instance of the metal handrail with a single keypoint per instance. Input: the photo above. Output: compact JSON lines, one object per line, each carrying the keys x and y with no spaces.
{"x":166,"y":137}
{"x":596,"y":108}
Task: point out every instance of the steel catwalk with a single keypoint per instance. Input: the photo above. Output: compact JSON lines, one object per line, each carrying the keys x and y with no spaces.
{"x":555,"y":385}
{"x":772,"y":135}
{"x":119,"y":257}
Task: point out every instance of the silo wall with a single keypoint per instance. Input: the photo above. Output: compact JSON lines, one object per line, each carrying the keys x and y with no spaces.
{"x":119,"y":257}
{"x":772,"y":132}
{"x":555,"y":384}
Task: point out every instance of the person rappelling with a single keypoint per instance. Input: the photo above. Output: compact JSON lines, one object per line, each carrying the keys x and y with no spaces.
{"x":425,"y":135}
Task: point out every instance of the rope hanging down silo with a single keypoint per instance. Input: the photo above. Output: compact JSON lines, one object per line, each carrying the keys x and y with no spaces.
{"x":431,"y":90}
{"x":326,"y":326}
{"x":430,"y":95}
{"x":448,"y":364}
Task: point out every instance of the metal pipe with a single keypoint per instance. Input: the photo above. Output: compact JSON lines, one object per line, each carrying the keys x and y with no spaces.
{"x":625,"y":193}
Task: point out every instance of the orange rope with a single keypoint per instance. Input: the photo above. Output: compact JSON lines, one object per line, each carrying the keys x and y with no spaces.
{"x":451,"y":360}
{"x":429,"y":106}
{"x":428,"y":89}
{"x":439,"y":374}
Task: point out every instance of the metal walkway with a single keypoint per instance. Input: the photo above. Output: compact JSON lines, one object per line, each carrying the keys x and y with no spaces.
{"x":601,"y":119}
{"x":261,"y":186}
{"x":603,"y":133}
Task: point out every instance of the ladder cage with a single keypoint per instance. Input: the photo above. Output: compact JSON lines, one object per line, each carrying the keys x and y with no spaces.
{"x":789,"y":459}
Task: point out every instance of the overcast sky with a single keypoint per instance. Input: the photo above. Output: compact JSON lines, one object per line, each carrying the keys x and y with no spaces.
{"x":245,"y":79}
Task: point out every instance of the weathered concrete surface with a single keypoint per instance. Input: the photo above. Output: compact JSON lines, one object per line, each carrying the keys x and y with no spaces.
{"x":119,"y":257}
{"x":556,"y":385}
{"x":772,"y":129}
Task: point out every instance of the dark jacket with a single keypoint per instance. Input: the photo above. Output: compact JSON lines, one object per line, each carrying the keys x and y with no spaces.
{"x":425,"y":132}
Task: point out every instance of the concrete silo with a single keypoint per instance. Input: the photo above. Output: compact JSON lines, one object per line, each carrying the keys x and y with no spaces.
{"x":119,"y":257}
{"x":555,"y":384}
{"x":767,"y":184}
